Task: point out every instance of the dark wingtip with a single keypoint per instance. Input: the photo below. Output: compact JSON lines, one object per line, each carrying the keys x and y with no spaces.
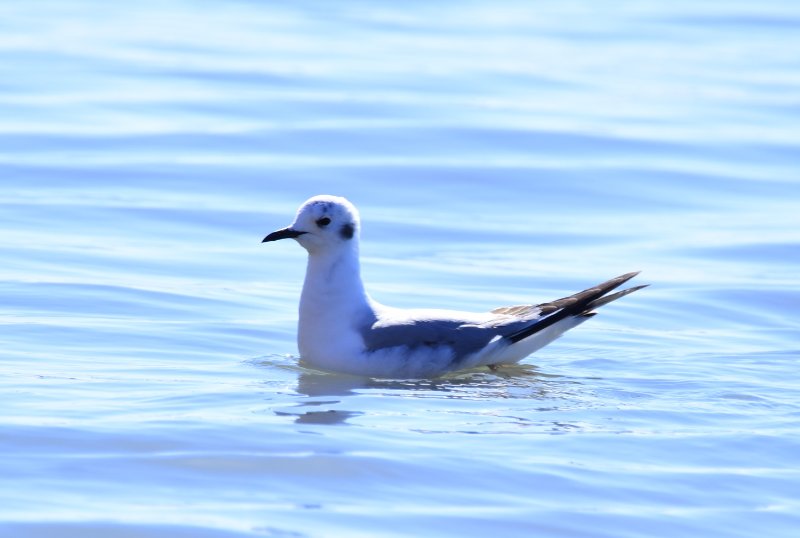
{"x":627,"y":276}
{"x":579,"y":304}
{"x":614,"y":296}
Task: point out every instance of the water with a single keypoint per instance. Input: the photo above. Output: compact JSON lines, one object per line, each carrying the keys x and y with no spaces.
{"x":499,"y":153}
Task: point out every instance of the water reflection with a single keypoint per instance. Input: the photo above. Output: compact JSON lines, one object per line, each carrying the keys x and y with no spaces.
{"x":514,"y":381}
{"x":329,"y":417}
{"x":535,"y":401}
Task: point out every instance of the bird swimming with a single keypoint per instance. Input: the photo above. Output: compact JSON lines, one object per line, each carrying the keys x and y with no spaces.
{"x":342,"y":329}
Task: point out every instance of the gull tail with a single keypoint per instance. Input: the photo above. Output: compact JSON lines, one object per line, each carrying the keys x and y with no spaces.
{"x":579,"y":305}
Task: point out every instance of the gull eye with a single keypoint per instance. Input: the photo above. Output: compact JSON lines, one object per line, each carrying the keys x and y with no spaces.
{"x":324,"y":221}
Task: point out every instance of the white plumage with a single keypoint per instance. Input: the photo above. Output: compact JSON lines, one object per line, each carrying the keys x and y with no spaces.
{"x":341,"y":329}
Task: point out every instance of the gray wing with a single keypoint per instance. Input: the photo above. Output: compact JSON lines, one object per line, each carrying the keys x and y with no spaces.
{"x":511,"y":322}
{"x":464,"y":337}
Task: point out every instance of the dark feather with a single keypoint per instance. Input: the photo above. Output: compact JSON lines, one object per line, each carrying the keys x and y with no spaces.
{"x":579,"y":304}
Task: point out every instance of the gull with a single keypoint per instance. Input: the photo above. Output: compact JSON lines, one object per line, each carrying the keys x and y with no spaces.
{"x":342,"y":329}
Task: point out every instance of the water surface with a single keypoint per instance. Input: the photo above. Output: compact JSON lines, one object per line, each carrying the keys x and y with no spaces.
{"x":499,"y":154}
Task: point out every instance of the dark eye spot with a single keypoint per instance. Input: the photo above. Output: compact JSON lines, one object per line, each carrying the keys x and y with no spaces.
{"x":347,"y":231}
{"x":324,"y":221}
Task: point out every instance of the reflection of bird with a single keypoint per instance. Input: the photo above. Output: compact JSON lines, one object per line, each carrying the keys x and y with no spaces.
{"x":342,"y":329}
{"x":331,"y":416}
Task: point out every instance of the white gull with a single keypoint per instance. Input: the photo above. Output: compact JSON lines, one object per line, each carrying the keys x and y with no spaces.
{"x":342,"y":329}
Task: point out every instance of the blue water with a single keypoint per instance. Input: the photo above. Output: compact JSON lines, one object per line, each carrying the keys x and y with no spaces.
{"x":500,"y":153}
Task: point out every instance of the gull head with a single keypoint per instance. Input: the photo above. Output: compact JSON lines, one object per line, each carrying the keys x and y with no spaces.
{"x":322,"y":223}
